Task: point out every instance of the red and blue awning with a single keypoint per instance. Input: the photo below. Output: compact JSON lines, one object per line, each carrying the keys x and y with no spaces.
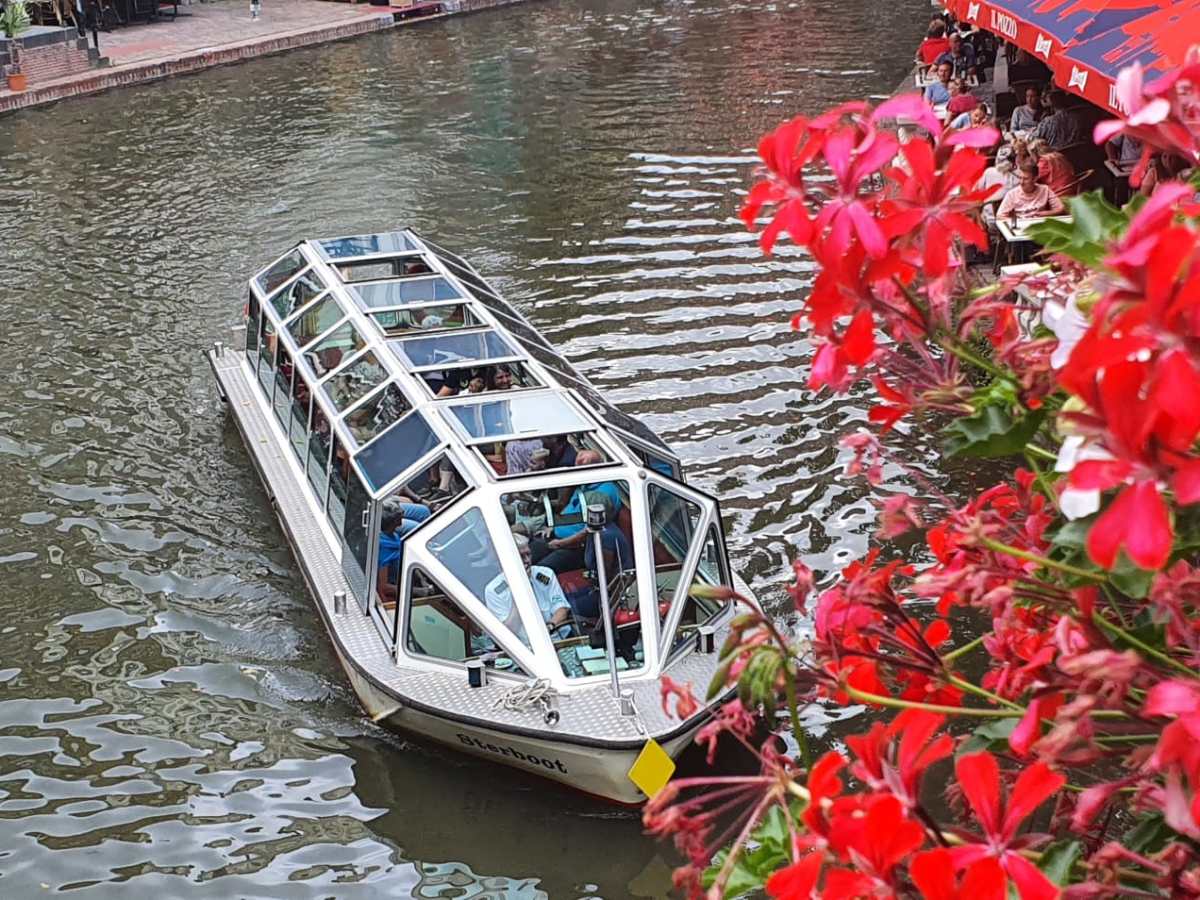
{"x":1159,"y":41}
{"x":1087,"y":42}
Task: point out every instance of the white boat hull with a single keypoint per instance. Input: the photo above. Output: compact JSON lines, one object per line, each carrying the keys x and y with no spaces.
{"x":601,"y":771}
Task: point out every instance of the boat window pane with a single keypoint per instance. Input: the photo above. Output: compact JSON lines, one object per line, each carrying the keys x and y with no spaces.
{"x":362,"y":244}
{"x":381,"y":269}
{"x":408,"y":507}
{"x":699,"y":608}
{"x":280,"y":271}
{"x":517,"y":415}
{"x":356,"y":538}
{"x":673,"y":522}
{"x":446,"y":255}
{"x":266,"y":353}
{"x":298,"y":427}
{"x":396,"y":449}
{"x":446,"y":349}
{"x":253,"y":311}
{"x":282,"y":398}
{"x":402,"y":322}
{"x":339,"y":478}
{"x":465,"y":548}
{"x":319,"y":434}
{"x":303,"y":289}
{"x":480,"y":379}
{"x":376,"y":414}
{"x":354,"y":381}
{"x":439,"y":627}
{"x":399,"y":293}
{"x":336,"y":347}
{"x":315,"y":321}
{"x":472,"y":279}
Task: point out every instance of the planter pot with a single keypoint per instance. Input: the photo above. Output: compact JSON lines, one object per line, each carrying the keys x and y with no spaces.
{"x":18,"y":82}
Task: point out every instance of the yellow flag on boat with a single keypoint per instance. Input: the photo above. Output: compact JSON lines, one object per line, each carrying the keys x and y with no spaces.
{"x":652,"y":769}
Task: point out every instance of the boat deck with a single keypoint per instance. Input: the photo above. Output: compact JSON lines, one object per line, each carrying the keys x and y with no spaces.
{"x":589,"y":715}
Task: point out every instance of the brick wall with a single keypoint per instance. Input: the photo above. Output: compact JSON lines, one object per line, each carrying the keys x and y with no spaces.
{"x":55,"y":61}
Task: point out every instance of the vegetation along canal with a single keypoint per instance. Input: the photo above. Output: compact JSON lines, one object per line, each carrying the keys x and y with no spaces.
{"x":171,"y":714}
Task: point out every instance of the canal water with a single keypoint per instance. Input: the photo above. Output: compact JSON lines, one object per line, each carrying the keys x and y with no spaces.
{"x":171,"y":715}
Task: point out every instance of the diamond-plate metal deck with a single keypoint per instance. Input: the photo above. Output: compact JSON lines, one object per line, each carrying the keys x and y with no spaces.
{"x":591,"y":714}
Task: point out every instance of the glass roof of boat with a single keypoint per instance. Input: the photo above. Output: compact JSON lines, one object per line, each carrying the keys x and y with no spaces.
{"x":401,"y":335}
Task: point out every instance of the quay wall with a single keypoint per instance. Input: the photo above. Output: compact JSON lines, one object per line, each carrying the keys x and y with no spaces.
{"x":115,"y":76}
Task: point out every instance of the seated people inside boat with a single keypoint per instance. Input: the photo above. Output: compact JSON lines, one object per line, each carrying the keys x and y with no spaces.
{"x":391,"y":541}
{"x":497,"y":596}
{"x":618,"y":557}
{"x":562,"y":452}
{"x":561,"y":548}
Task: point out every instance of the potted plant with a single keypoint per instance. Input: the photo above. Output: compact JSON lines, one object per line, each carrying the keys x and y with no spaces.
{"x":14,"y":19}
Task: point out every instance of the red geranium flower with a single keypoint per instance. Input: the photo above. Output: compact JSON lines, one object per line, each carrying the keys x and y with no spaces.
{"x":979,"y":777}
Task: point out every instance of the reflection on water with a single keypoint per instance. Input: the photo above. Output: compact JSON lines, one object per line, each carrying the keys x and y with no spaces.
{"x":170,"y":711}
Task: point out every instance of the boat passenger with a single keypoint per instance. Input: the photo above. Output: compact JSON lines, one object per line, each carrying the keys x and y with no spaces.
{"x":411,"y":514}
{"x":497,"y":596}
{"x":1025,"y":118}
{"x":618,"y":557}
{"x":521,"y":456}
{"x":1029,"y":198}
{"x":562,"y":452}
{"x":391,"y":541}
{"x":561,"y":548}
{"x":938,"y":93}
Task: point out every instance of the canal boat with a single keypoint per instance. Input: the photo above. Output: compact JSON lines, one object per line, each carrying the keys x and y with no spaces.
{"x":506,"y":562}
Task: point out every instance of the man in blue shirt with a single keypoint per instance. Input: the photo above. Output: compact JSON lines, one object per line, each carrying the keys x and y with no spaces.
{"x":562,"y":548}
{"x":938,"y":93}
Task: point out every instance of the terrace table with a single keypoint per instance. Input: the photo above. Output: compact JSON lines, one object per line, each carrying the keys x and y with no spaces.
{"x":1016,"y":234}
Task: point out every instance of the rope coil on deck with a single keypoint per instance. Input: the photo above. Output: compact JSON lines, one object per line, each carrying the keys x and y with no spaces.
{"x":535,"y":692}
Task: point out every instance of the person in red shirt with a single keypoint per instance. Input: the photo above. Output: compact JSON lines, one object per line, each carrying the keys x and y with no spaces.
{"x":935,"y":43}
{"x":961,"y":99}
{"x":1054,"y":170}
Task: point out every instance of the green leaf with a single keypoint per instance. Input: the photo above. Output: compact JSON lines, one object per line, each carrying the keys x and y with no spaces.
{"x":988,"y":736}
{"x":1131,"y":580}
{"x":1073,"y":534}
{"x":992,"y":430}
{"x":1094,"y":224}
{"x":1149,"y":835}
{"x":717,"y":683}
{"x":1058,"y":858}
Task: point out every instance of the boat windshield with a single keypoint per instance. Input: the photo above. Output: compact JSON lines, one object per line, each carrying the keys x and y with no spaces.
{"x":384,"y":294}
{"x":547,"y":527}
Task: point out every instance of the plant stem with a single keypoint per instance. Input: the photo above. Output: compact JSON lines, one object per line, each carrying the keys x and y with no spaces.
{"x":894,"y":703}
{"x":1141,"y":645}
{"x":963,"y":650}
{"x":982,"y":692}
{"x":1040,"y":560}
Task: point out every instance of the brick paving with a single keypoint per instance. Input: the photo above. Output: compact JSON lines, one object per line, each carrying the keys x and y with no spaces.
{"x":213,"y":33}
{"x":211,"y":25}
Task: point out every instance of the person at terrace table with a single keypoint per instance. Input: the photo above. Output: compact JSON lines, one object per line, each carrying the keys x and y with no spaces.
{"x":1062,"y":127}
{"x":961,"y":100}
{"x":977,"y":117}
{"x":938,"y":93}
{"x":1025,"y":117}
{"x":1124,"y":150}
{"x":1054,"y":170}
{"x":961,"y":56}
{"x":935,"y":43}
{"x":1029,"y":199}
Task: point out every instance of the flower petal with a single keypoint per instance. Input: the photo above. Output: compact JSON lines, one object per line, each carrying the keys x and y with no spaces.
{"x":979,"y":777}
